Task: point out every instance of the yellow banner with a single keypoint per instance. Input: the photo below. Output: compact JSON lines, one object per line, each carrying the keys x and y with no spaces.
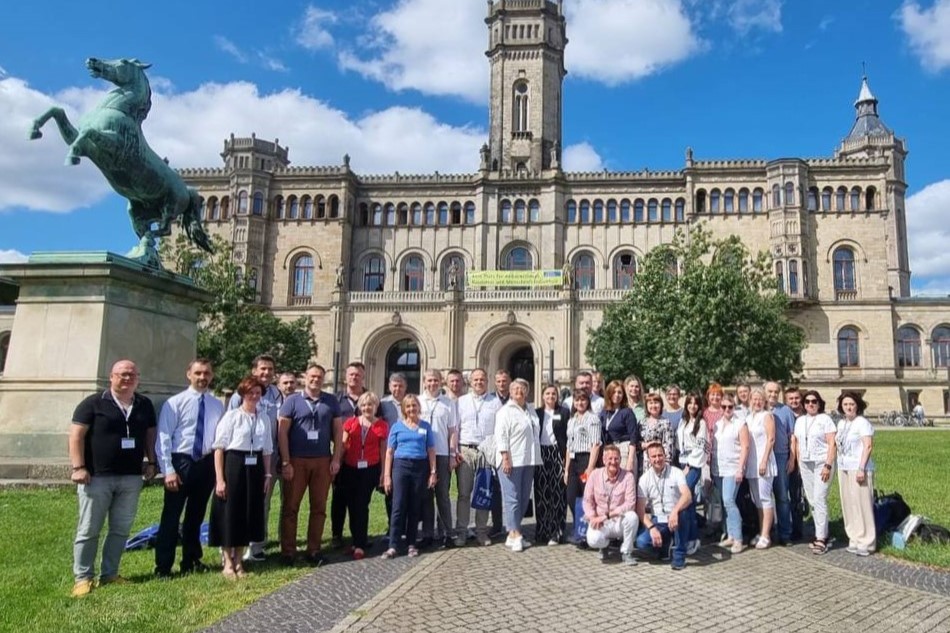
{"x":508,"y":278}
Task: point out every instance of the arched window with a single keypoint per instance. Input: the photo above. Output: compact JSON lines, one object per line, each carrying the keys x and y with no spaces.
{"x":374,"y":273}
{"x":416,"y":214}
{"x":585,"y":212}
{"x":504,"y":216}
{"x":252,"y":279}
{"x":666,"y":210}
{"x":377,"y":214}
{"x":940,"y":343}
{"x":743,"y":200}
{"x":430,"y":214}
{"x":826,"y":194}
{"x":776,"y":196}
{"x":855,"y":199}
{"x":225,"y":207}
{"x":840,"y":196}
{"x":335,"y":206}
{"x":813,"y":198}
{"x":518,"y":258}
{"x":625,"y":210}
{"x":638,"y":210}
{"x":413,"y":274}
{"x":402,"y":214}
{"x":681,"y":209}
{"x":848,"y":347}
{"x":303,"y":276}
{"x":612,"y":211}
{"x":294,"y":208}
{"x":242,"y":203}
{"x":701,"y":201}
{"x":214,"y":211}
{"x":520,"y":216}
{"x":571,"y":212}
{"x":793,"y":277}
{"x":869,"y":198}
{"x":584,"y":272}
{"x":843,"y":259}
{"x":534,"y":210}
{"x":469,"y":213}
{"x":714,"y":200}
{"x":780,"y":276}
{"x":321,"y":205}
{"x":455,"y":213}
{"x":729,"y":201}
{"x":908,"y":347}
{"x":520,"y":104}
{"x":625,"y":269}
{"x":443,"y":214}
{"x":307,"y":205}
{"x":651,"y":210}
{"x":258,"y":206}
{"x":4,"y":349}
{"x":598,"y":211}
{"x":390,"y":211}
{"x":403,"y":357}
{"x":757,"y":194}
{"x":458,"y":272}
{"x":789,"y":194}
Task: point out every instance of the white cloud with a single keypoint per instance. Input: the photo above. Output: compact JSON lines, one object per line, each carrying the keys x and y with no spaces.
{"x":825,"y":22}
{"x":582,"y":157}
{"x":750,"y":15}
{"x":189,"y":128}
{"x":615,"y":41}
{"x":270,"y":62}
{"x":229,"y":47}
{"x":12,"y":257}
{"x":425,"y":46}
{"x":312,"y":32}
{"x":927,"y":212}
{"x":928,"y":31}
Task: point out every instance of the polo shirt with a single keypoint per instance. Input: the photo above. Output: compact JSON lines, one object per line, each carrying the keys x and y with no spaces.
{"x":411,"y":443}
{"x":390,"y":410}
{"x":306,"y":416}
{"x":358,"y":448}
{"x":107,"y":427}
{"x":784,"y":426}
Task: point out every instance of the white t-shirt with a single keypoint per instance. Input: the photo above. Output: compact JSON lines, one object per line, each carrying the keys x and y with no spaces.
{"x":849,"y":439}
{"x":596,"y":403}
{"x":547,"y":427}
{"x":661,"y":491}
{"x":756,"y":424}
{"x":726,"y":447}
{"x":440,"y":412}
{"x":810,"y":432}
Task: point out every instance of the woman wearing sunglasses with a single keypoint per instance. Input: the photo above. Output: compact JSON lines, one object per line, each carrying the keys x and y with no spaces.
{"x":814,"y":444}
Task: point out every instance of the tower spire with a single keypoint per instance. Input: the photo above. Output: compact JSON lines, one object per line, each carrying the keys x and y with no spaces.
{"x":867,"y":122}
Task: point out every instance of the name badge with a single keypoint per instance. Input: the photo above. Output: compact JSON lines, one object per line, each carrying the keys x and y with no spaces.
{"x":250,"y":460}
{"x":556,"y":416}
{"x":421,"y":431}
{"x":362,"y":464}
{"x":313,"y":436}
{"x":572,"y":454}
{"x":128,"y":443}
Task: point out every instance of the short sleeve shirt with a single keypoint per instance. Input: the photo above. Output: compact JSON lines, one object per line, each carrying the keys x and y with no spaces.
{"x":411,"y":443}
{"x":811,"y":433}
{"x":850,"y":441}
{"x":662,"y":491}
{"x":362,"y":445}
{"x":108,"y":430}
{"x":311,"y":423}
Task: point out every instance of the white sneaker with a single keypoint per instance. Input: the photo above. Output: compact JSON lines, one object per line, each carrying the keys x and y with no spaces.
{"x":692,"y":547}
{"x":553,"y":542}
{"x":518,"y":545}
{"x":510,"y":541}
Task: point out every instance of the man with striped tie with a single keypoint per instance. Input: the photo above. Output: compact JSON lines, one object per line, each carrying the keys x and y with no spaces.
{"x":186,"y":428}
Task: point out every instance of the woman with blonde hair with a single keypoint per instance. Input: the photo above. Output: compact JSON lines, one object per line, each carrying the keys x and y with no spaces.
{"x":760,"y":466}
{"x":633,"y":389}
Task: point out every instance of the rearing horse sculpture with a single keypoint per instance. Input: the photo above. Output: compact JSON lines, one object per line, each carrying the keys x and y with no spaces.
{"x":110,"y":135}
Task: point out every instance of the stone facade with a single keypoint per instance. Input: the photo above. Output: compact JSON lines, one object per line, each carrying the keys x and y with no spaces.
{"x":378,"y":261}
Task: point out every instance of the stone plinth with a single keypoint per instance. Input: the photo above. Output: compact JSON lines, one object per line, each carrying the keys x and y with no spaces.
{"x":78,"y":313}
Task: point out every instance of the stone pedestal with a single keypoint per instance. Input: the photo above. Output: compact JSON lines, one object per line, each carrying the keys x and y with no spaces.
{"x":77,"y":314}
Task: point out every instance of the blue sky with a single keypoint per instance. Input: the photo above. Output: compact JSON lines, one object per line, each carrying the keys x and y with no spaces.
{"x":402,"y":86}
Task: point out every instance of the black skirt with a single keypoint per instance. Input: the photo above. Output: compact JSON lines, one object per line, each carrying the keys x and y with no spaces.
{"x":238,"y":519}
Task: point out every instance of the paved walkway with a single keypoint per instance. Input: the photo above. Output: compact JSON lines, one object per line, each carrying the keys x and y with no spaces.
{"x":550,"y":589}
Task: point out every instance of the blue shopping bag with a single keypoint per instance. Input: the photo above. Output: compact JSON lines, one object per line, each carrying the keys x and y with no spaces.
{"x":580,"y":525}
{"x":481,"y":496}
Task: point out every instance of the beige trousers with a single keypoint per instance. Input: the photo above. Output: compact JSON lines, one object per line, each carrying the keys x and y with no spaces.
{"x":857,"y":506}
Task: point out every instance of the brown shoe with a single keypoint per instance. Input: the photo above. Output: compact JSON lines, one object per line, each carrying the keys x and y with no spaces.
{"x":82,"y":588}
{"x":114,"y":580}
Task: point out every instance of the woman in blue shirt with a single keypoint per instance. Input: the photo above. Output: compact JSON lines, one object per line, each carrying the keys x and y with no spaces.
{"x":410,"y":467}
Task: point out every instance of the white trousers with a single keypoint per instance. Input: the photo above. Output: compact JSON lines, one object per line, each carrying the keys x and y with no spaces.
{"x":816,"y":491}
{"x":624,"y":527}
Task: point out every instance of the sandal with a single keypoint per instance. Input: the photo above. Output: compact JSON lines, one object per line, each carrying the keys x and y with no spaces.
{"x":819,"y":547}
{"x":239,"y":572}
{"x":762,"y":543}
{"x":413,"y":552}
{"x":389,"y":554}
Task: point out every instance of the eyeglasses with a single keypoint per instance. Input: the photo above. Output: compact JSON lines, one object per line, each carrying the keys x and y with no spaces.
{"x":729,"y":406}
{"x":810,"y":401}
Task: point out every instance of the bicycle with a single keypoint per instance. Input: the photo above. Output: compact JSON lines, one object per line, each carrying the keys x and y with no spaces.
{"x":892,"y":418}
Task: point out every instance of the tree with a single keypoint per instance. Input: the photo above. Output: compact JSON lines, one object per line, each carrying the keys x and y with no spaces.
{"x":719,"y":317}
{"x":233,"y":329}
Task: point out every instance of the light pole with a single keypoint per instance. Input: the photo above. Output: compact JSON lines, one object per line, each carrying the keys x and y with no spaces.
{"x":551,"y":360}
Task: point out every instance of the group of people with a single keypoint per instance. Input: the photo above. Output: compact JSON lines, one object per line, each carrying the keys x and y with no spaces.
{"x":629,"y":465}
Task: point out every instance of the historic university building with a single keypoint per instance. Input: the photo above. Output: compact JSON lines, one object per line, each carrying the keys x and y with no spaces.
{"x":378,"y":261}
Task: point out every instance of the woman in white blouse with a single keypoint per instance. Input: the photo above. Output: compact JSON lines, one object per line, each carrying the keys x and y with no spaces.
{"x":692,"y":442}
{"x":814,"y":445}
{"x":855,"y":441}
{"x":730,"y":455}
{"x":242,"y":449}
{"x":517,"y":452}
{"x":760,"y":467}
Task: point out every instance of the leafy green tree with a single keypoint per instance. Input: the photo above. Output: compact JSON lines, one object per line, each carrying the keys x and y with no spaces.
{"x":233,"y":328}
{"x":719,"y":317}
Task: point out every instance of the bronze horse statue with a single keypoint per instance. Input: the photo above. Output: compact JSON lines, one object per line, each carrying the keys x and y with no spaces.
{"x":110,"y":135}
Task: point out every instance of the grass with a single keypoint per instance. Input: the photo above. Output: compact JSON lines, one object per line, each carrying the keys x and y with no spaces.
{"x":36,"y":532}
{"x":37,"y":526}
{"x":912,"y":463}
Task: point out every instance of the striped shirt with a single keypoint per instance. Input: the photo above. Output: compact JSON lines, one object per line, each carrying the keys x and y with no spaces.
{"x":583,"y":433}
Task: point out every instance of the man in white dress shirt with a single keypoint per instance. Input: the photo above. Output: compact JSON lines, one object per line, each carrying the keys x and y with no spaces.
{"x":441,"y":413}
{"x":186,"y":428}
{"x":585,"y":380}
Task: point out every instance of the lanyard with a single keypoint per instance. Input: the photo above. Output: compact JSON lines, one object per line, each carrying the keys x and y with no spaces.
{"x":252,"y":418}
{"x":314,"y":406}
{"x":126,"y":413}
{"x":661,"y":484}
{"x":364,"y":431}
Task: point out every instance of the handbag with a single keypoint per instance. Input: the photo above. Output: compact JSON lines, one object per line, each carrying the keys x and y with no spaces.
{"x":481,"y":496}
{"x":580,"y":524}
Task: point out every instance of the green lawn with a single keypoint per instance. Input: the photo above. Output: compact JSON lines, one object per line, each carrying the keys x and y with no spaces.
{"x":36,"y":531}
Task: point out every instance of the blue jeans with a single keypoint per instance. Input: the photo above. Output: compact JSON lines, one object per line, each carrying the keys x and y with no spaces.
{"x":679,"y":538}
{"x":689,"y":514}
{"x":728,"y":489}
{"x":113,"y":496}
{"x":515,"y":490}
{"x":783,"y":507}
{"x":410,"y":486}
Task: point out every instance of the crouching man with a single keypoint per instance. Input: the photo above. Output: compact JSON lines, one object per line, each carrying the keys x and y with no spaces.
{"x":610,"y":501}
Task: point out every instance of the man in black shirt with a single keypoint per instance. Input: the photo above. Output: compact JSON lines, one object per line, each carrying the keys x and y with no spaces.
{"x":111,"y":432}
